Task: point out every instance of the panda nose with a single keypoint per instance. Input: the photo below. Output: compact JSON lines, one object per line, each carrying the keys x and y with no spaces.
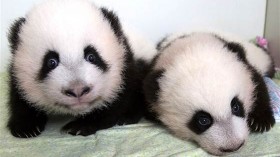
{"x":77,"y":91}
{"x":232,"y":149}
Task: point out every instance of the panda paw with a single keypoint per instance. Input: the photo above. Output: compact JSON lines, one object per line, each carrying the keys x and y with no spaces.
{"x":125,"y":120}
{"x":27,"y":128}
{"x":79,"y":127}
{"x":261,"y":122}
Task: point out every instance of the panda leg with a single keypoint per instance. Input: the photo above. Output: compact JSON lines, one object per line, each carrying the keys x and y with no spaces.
{"x":25,"y":121}
{"x":261,"y":118}
{"x":132,"y":116}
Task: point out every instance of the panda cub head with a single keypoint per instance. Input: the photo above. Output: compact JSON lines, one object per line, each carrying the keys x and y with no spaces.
{"x":201,"y":91}
{"x":68,"y":57}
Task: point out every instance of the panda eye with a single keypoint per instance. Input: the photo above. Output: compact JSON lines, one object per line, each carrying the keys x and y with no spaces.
{"x":204,"y":121}
{"x":52,"y":63}
{"x":200,"y":122}
{"x":237,"y":107}
{"x":90,"y":58}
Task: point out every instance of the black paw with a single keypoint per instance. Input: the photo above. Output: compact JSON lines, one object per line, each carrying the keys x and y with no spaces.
{"x":128,"y":120}
{"x":261,"y":122}
{"x":27,"y":128}
{"x":79,"y":127}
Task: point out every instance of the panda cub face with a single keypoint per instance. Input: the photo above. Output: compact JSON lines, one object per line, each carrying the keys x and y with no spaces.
{"x":63,"y":62}
{"x":204,"y":92}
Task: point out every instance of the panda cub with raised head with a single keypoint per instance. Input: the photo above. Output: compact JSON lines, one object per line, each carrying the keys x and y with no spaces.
{"x":70,"y":57}
{"x":209,"y":88}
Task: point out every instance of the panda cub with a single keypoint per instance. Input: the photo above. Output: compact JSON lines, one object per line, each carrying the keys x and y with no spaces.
{"x":70,"y":57}
{"x":209,"y":88}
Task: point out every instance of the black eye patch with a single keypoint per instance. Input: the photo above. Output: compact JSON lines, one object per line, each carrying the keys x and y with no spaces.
{"x":237,"y":107}
{"x":50,"y":62}
{"x":91,"y":55}
{"x":200,"y":122}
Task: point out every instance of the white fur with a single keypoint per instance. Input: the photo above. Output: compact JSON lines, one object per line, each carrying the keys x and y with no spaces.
{"x":256,"y":56}
{"x":199,"y":73}
{"x":68,"y":26}
{"x":142,"y":47}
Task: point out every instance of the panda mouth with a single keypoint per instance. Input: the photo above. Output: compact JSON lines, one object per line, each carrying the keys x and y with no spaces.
{"x":78,"y":103}
{"x":70,"y":106}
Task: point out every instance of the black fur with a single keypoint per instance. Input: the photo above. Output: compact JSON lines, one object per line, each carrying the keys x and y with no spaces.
{"x":271,"y":72}
{"x":194,"y":124}
{"x":45,"y":70}
{"x":238,"y":50}
{"x":13,"y":35}
{"x":114,"y":22}
{"x":25,"y":121}
{"x":154,"y":60}
{"x":260,"y":118}
{"x":117,"y":28}
{"x":151,"y":85}
{"x":98,"y":61}
{"x":123,"y":110}
{"x":127,"y":108}
{"x":151,"y":89}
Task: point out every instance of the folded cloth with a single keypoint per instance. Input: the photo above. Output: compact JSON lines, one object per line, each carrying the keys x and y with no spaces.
{"x":143,"y":139}
{"x":274,"y":93}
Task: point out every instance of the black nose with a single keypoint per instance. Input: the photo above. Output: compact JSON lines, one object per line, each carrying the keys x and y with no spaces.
{"x":70,"y":93}
{"x":227,"y":150}
{"x":77,"y":91}
{"x":85,"y":91}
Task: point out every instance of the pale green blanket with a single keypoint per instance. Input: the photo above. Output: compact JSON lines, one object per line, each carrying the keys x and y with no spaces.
{"x":144,"y":139}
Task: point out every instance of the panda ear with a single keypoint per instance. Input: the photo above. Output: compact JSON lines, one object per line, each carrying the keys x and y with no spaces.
{"x":238,"y":50}
{"x":113,"y":19}
{"x":13,"y":35}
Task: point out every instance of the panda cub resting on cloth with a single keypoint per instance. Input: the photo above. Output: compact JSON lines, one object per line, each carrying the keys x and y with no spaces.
{"x":209,"y":88}
{"x":70,"y":57}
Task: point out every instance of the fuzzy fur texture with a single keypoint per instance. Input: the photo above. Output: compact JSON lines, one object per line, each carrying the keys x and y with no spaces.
{"x":201,"y":78}
{"x":258,"y":57}
{"x":100,"y":90}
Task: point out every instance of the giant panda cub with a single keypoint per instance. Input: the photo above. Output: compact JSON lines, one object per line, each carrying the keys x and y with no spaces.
{"x":209,"y":88}
{"x":71,"y":57}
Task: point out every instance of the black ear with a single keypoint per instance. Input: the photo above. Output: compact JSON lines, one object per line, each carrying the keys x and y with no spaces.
{"x":13,"y":35}
{"x":114,"y":22}
{"x":238,"y":50}
{"x":113,"y":19}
